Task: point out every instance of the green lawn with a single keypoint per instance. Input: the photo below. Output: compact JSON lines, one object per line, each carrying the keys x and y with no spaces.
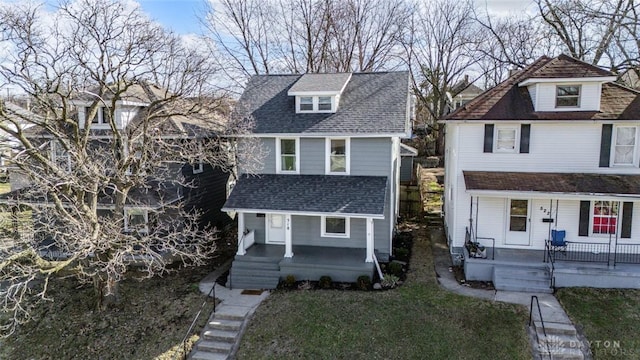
{"x":610,"y":319}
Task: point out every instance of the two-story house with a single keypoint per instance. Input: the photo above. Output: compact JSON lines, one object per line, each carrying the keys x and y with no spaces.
{"x":326,"y":201}
{"x":120,"y":134}
{"x":542,"y":180}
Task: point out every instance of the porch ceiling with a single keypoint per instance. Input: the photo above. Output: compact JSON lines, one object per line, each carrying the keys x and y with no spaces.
{"x":310,"y":194}
{"x":627,"y":186}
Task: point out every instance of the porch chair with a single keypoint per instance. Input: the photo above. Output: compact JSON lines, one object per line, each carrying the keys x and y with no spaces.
{"x":558,"y":242}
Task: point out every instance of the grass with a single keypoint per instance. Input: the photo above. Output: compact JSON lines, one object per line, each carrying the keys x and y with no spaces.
{"x":608,"y":317}
{"x":418,"y":320}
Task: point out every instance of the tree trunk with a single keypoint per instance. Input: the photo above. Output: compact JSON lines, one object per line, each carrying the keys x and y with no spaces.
{"x":107,"y":292}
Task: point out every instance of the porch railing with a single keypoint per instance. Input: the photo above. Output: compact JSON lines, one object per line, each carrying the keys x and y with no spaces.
{"x":549,"y":255}
{"x":627,"y":254}
{"x":471,"y":240}
{"x":532,"y":323}
{"x":581,"y":252}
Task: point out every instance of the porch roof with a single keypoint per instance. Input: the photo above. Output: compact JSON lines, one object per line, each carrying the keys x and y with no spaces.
{"x":362,"y":196}
{"x":556,"y":184}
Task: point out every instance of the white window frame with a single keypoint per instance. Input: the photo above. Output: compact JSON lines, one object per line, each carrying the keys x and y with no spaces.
{"x":516,"y":138}
{"x":347,"y":227}
{"x":102,"y":123}
{"x":614,"y":140}
{"x":54,"y":156}
{"x":145,"y":213}
{"x":592,"y":217}
{"x":315,"y":101}
{"x":327,"y":165}
{"x":568,"y":96}
{"x":198,"y":166}
{"x":279,"y":155}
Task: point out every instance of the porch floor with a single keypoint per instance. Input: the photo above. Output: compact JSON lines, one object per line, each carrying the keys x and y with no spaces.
{"x":317,"y":255}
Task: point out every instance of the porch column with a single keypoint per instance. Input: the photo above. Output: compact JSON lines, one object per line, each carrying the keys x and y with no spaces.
{"x":370,"y":245}
{"x":288,"y":246}
{"x":241,"y":229}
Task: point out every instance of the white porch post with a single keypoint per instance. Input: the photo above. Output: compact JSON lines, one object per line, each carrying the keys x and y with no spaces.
{"x":370,"y":245}
{"x":241,"y":229}
{"x":288,"y":246}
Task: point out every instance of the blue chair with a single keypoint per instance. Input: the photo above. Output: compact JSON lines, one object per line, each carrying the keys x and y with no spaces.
{"x":558,"y":239}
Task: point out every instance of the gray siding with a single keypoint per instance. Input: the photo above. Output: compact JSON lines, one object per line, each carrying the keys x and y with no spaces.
{"x":255,"y":223}
{"x":312,"y":158}
{"x":306,"y":230}
{"x":406,"y":168}
{"x":371,"y":157}
{"x":269,"y":161}
{"x":381,"y":230}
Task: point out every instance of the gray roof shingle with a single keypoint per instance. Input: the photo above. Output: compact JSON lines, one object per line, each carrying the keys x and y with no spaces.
{"x":330,"y":194}
{"x":371,"y":103}
{"x":320,"y":82}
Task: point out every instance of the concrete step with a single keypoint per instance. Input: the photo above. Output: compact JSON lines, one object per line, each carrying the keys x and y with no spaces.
{"x":214,"y":346}
{"x":532,"y":283}
{"x":554,"y":328}
{"x":516,"y":273}
{"x":231,"y":313}
{"x":260,"y":273}
{"x":220,"y":335}
{"x":251,"y":285}
{"x":225,"y":324}
{"x":522,"y":288}
{"x":204,"y":355}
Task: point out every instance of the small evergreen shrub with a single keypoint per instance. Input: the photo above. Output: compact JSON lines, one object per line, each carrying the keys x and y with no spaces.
{"x":325,"y":282}
{"x":290,"y":280}
{"x":364,"y":282}
{"x":395,"y":268}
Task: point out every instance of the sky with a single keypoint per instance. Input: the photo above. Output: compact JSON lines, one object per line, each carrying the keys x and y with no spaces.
{"x":182,"y":15}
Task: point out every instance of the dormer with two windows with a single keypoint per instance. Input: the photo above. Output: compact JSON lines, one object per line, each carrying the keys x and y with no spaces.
{"x":319,"y":93}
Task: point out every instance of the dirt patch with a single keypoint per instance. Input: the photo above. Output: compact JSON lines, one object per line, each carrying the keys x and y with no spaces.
{"x":458,"y":272}
{"x":150,"y":323}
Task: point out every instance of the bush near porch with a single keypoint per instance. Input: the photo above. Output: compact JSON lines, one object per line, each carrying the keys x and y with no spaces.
{"x":608,"y":318}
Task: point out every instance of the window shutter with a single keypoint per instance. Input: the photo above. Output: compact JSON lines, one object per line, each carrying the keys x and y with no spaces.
{"x":488,"y":138}
{"x":585,"y":209}
{"x":605,"y":145}
{"x":525,"y":133}
{"x":627,"y":215}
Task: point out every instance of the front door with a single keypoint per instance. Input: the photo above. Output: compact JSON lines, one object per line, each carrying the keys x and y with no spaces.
{"x":518,"y":222}
{"x":275,"y":229}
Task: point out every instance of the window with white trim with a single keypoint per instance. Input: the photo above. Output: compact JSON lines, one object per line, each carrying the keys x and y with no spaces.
{"x":604,"y":217}
{"x":320,"y":104}
{"x":506,"y":139}
{"x":568,"y":96}
{"x":287,"y":158}
{"x":101,"y":118}
{"x":337,"y":161}
{"x":136,"y":220}
{"x":198,"y":166}
{"x":60,"y":156}
{"x":624,"y":145}
{"x":335,"y":226}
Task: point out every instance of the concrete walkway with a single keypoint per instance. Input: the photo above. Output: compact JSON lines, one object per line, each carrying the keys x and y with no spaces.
{"x":221,"y":336}
{"x":560,"y":341}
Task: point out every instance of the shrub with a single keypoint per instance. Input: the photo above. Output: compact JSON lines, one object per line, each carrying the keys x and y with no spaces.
{"x":290,"y":280}
{"x":395,"y":268}
{"x":364,"y":282}
{"x":305,"y":285}
{"x":325,"y":282}
{"x":389,"y":282}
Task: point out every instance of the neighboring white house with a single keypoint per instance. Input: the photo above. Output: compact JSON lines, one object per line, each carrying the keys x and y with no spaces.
{"x":326,"y":202}
{"x":552,"y":153}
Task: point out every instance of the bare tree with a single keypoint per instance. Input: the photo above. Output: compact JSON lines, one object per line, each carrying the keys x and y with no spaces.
{"x":440,"y":46}
{"x":107,"y":143}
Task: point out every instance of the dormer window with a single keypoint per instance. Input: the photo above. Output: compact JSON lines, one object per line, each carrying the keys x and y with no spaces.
{"x":322,"y":104}
{"x":100,"y":119}
{"x":567,"y":96}
{"x":306,"y":103}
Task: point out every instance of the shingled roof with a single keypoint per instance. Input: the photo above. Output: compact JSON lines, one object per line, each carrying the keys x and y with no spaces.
{"x":305,"y":194}
{"x":558,"y":183}
{"x":371,"y":103}
{"x":508,"y":101}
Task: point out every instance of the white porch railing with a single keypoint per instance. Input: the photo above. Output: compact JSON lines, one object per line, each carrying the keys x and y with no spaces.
{"x":246,"y":241}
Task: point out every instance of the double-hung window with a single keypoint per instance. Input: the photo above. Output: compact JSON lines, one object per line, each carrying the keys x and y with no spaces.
{"x":506,"y":139}
{"x":337,"y":161}
{"x":288,"y":160}
{"x":604,"y":217}
{"x":624,"y":145}
{"x":324,"y":103}
{"x":100,"y":119}
{"x":313,"y":104}
{"x":306,"y":103}
{"x":136,"y":220}
{"x":567,"y":96}
{"x":335,"y":226}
